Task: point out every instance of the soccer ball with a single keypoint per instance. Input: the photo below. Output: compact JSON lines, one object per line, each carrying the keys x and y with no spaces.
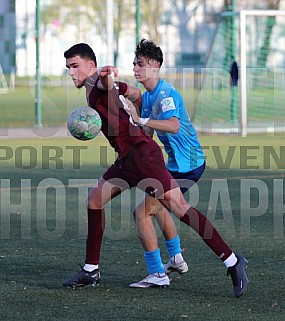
{"x":84,"y":123}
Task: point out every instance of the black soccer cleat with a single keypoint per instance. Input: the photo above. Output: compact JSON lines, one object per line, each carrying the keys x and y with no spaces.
{"x":238,"y":276}
{"x":83,"y":278}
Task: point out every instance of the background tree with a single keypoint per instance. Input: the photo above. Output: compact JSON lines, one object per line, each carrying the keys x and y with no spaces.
{"x":85,"y":13}
{"x":192,"y":32}
{"x":151,"y":13}
{"x":80,"y":13}
{"x":181,"y":9}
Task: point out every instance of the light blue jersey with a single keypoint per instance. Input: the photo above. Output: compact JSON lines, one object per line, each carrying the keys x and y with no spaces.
{"x":183,"y":149}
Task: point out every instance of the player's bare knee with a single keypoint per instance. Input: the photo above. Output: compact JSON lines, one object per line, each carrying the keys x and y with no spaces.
{"x":139,"y":215}
{"x":93,"y":202}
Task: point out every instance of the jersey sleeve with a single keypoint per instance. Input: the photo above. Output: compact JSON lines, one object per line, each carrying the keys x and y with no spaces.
{"x":170,"y":107}
{"x":145,"y":111}
{"x":122,"y":87}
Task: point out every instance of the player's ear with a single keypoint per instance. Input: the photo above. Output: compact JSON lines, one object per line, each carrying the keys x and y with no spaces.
{"x":156,"y":64}
{"x":92,"y":64}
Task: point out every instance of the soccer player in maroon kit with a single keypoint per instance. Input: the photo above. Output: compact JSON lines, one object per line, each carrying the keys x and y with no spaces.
{"x":140,"y":163}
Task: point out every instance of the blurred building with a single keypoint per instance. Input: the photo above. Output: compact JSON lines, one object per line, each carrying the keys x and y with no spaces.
{"x":53,"y":40}
{"x":7,"y":36}
{"x":186,"y":39}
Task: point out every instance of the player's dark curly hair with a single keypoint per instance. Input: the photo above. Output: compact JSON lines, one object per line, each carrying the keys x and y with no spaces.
{"x":82,"y":50}
{"x":149,"y":50}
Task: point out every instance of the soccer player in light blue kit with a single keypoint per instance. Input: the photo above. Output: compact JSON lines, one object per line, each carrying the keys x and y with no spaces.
{"x":184,"y":151}
{"x":186,"y":160}
{"x":163,"y":110}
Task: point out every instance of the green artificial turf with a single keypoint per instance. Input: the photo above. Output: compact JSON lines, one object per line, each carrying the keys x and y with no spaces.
{"x":39,"y":249}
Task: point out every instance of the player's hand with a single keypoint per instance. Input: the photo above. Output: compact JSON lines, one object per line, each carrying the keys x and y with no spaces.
{"x":131,"y":109}
{"x":128,"y":108}
{"x":108,"y":70}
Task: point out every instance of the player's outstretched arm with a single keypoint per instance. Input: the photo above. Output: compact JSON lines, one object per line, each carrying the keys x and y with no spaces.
{"x":133,"y":94}
{"x":106,"y":81}
{"x":132,"y":110}
{"x":170,"y":125}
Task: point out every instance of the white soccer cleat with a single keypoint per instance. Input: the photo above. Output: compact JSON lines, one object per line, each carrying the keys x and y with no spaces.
{"x":153,"y":280}
{"x":172,"y":266}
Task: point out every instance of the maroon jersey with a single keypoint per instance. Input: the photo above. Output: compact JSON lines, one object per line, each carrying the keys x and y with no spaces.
{"x":120,"y":132}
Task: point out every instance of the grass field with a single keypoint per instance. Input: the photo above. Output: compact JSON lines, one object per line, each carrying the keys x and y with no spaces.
{"x":212,"y":105}
{"x":18,"y":107}
{"x":43,"y":241}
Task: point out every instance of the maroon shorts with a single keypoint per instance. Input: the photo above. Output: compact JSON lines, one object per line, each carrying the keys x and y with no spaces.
{"x":143,"y":167}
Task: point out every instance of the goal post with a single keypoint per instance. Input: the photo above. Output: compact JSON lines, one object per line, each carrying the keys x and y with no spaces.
{"x":243,"y":56}
{"x":252,"y":99}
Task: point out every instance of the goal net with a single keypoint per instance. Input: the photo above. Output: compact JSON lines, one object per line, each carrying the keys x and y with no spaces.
{"x":243,"y":85}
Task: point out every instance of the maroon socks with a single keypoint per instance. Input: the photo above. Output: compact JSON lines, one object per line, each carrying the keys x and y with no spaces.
{"x":96,"y":226}
{"x":206,"y":230}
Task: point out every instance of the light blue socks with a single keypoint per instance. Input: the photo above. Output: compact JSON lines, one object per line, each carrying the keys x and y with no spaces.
{"x":173,"y":246}
{"x":153,"y":262}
